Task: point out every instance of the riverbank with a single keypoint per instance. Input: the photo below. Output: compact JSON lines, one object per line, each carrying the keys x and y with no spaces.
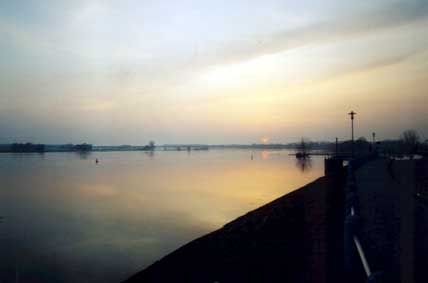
{"x":296,"y":238}
{"x":299,"y":237}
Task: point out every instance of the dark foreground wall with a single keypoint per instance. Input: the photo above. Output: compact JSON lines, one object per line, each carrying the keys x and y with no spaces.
{"x":296,"y":238}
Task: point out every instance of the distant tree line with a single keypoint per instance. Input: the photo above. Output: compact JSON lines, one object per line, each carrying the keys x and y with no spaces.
{"x":27,"y":147}
{"x":409,"y":144}
{"x":82,"y":147}
{"x":361,"y":146}
{"x":30,"y":147}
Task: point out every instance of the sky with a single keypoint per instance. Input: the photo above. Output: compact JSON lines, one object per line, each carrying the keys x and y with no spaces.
{"x":216,"y":72}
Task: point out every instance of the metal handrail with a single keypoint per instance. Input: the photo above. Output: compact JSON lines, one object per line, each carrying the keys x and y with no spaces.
{"x":361,"y":251}
{"x":362,"y":256}
{"x":354,"y":211}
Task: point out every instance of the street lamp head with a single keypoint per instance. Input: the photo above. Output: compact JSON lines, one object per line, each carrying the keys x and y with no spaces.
{"x":352,"y":113}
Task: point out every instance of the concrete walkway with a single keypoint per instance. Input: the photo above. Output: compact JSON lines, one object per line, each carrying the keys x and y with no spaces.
{"x":394,"y":220}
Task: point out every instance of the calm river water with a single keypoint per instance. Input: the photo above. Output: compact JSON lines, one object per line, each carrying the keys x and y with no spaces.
{"x":64,"y":218}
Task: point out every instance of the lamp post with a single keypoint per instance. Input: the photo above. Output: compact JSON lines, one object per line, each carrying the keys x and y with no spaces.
{"x":337,"y":146}
{"x":352,"y":114}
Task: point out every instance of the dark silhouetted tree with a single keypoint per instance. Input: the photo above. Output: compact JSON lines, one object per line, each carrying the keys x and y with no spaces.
{"x":409,"y":142}
{"x":150,"y":146}
{"x":303,"y":148}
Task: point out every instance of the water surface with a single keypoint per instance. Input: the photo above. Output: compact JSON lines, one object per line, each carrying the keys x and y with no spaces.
{"x":66,"y":219}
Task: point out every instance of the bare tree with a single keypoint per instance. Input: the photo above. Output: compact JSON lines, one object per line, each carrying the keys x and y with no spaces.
{"x":303,"y":149}
{"x":409,"y":142}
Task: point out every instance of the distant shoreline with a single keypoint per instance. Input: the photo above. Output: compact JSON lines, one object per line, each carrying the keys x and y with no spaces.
{"x":316,"y":148}
{"x":161,"y":149}
{"x":84,"y":147}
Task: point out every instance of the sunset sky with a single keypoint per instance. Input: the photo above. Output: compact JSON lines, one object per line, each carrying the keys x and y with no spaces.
{"x":126,"y":72}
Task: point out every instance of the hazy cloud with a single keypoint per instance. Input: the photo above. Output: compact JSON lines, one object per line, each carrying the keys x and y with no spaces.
{"x":130,"y":63}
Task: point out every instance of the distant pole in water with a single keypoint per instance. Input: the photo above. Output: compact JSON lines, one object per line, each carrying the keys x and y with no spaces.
{"x":352,"y":114}
{"x":252,"y":157}
{"x":96,"y":161}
